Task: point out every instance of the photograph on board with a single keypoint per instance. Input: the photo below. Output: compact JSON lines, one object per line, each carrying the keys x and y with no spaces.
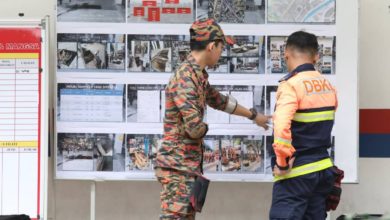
{"x":144,"y":103}
{"x":161,"y":56}
{"x":181,"y":49}
{"x":249,"y":97}
{"x":231,"y":153}
{"x":91,"y":52}
{"x":155,"y":144}
{"x":247,"y":55}
{"x":301,"y":11}
{"x":108,"y":152}
{"x":270,"y":99}
{"x":327,"y":55}
{"x":232,"y":11}
{"x":141,"y":151}
{"x":252,"y":148}
{"x":67,"y":55}
{"x":138,"y":56}
{"x":160,"y":11}
{"x":327,"y":52}
{"x":246,"y":46}
{"x":89,"y":102}
{"x":90,"y":152}
{"x":222,"y":66}
{"x":244,"y":65}
{"x":269,"y":153}
{"x":75,"y":152}
{"x":156,"y":53}
{"x":136,"y":153}
{"x":211,"y":154}
{"x":91,"y":11}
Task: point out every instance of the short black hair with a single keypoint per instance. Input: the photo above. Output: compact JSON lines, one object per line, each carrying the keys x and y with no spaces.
{"x":201,"y":45}
{"x":304,"y":42}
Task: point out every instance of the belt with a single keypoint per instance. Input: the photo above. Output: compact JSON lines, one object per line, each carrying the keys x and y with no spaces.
{"x":306,"y":169}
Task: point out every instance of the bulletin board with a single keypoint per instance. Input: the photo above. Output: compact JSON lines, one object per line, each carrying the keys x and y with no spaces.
{"x":23,"y":117}
{"x":112,"y":70}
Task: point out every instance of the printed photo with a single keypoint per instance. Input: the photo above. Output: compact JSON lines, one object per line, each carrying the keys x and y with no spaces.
{"x":88,"y":102}
{"x":141,"y":151}
{"x":90,"y":152}
{"x":144,"y":103}
{"x":232,"y":11}
{"x":91,"y":52}
{"x":160,"y":11}
{"x":91,"y":11}
{"x":271,"y":99}
{"x":253,"y":154}
{"x":231,"y":154}
{"x":211,"y":154}
{"x":327,"y":54}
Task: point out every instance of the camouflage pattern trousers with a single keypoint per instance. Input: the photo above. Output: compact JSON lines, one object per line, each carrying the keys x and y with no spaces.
{"x":175,"y":194}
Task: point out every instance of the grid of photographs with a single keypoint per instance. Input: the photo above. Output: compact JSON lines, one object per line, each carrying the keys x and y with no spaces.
{"x":164,"y":53}
{"x":137,"y":152}
{"x":142,"y":103}
{"x":91,"y":52}
{"x":186,"y":11}
{"x":128,"y":55}
{"x":276,"y":60}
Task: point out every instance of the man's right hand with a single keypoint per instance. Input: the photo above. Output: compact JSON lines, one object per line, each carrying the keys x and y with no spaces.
{"x":261,"y":120}
{"x":278,"y":172}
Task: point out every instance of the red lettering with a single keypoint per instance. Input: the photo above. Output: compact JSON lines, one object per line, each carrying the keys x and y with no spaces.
{"x":317,"y":86}
{"x":310,"y":88}
{"x":325,"y":85}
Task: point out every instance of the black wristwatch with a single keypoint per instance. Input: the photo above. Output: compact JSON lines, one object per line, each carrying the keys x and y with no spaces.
{"x":254,"y":114}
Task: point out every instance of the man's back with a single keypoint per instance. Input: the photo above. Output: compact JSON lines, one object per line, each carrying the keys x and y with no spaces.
{"x":312,"y":114}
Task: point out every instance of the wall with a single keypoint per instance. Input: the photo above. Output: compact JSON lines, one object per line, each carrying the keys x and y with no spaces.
{"x":139,"y":200}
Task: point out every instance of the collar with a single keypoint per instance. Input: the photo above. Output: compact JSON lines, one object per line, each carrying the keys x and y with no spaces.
{"x":300,"y":68}
{"x":201,"y":74}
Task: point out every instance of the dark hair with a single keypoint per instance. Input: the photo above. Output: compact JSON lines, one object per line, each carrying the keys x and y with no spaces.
{"x":303,"y":42}
{"x":201,"y":45}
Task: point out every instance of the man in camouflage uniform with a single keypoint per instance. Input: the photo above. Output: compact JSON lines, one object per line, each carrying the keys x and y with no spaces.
{"x":179,"y":160}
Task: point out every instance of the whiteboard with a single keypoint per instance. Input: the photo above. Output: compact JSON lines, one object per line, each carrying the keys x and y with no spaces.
{"x":77,"y":153}
{"x":23,"y":117}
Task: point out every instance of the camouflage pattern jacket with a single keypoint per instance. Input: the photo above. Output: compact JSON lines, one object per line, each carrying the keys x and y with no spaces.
{"x":187,"y":94}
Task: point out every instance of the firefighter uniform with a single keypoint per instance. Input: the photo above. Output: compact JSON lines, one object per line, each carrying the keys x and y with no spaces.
{"x":179,"y":159}
{"x":303,"y":121}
